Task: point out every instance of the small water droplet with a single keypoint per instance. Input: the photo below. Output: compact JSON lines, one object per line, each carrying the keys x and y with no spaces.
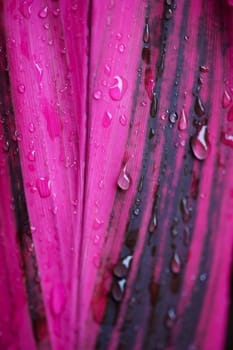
{"x":31,"y":127}
{"x":31,"y":156}
{"x":97,"y":95}
{"x":118,"y":88}
{"x":199,"y":107}
{"x":43,"y":185}
{"x":146,"y":33}
{"x":204,"y":69}
{"x":97,"y":223}
{"x":118,"y":289}
{"x":140,"y":185}
{"x":123,"y":120}
{"x":200,"y":143}
{"x":173,"y":117}
{"x":43,"y":12}
{"x":56,"y":12}
{"x":107,"y":119}
{"x":21,"y":88}
{"x":230,"y":114}
{"x":124,"y":179}
{"x":176,"y":263}
{"x":227,"y":138}
{"x":136,"y":211}
{"x":58,"y":299}
{"x":168,"y":14}
{"x":153,"y":221}
{"x":185,"y":211}
{"x":170,"y":318}
{"x":149,"y":82}
{"x":119,"y":36}
{"x":154,"y":106}
{"x":107,"y":69}
{"x":151,"y":133}
{"x":226,"y":100}
{"x":121,"y":48}
{"x":183,"y":121}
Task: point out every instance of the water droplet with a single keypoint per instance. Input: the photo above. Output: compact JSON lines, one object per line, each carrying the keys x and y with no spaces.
{"x":56,"y":12}
{"x":136,"y":211}
{"x":203,"y":277}
{"x":186,"y":236}
{"x":173,"y":117}
{"x":31,"y":127}
{"x":176,"y":263}
{"x":146,"y":34}
{"x":43,"y":185}
{"x":58,"y":299}
{"x":118,"y":88}
{"x":31,"y":156}
{"x":107,"y":69}
{"x":118,"y":36}
{"x":97,"y":223}
{"x":151,"y":133}
{"x":120,"y":270}
{"x":168,"y":14}
{"x":149,"y":82}
{"x":153,"y":221}
{"x":43,"y":12}
{"x":153,"y":106}
{"x":127,"y":261}
{"x":226,"y":100}
{"x":97,"y":95}
{"x":140,"y":185}
{"x":170,"y":318}
{"x":118,"y":289}
{"x":121,"y":48}
{"x":146,"y":54}
{"x":107,"y":119}
{"x":230,"y":114}
{"x":199,"y":107}
{"x":123,"y":120}
{"x":124,"y":180}
{"x":200,"y":143}
{"x":183,"y":122}
{"x":21,"y":88}
{"x":204,"y":69}
{"x":227,"y":139}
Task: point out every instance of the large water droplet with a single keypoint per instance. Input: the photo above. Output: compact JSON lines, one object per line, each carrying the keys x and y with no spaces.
{"x":43,"y":185}
{"x":230,"y":114}
{"x":58,"y":299}
{"x":226,"y":99}
{"x":118,"y":88}
{"x":176,"y":263}
{"x":183,"y":122}
{"x":200,"y":143}
{"x":43,"y":12}
{"x":146,"y":33}
{"x":123,"y":179}
{"x":199,"y":107}
{"x":107,"y":118}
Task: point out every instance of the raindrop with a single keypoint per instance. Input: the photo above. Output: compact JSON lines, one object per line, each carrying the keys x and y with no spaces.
{"x":154,"y":106}
{"x":123,"y":120}
{"x":97,"y":95}
{"x":185,"y":211}
{"x":203,"y":277}
{"x":199,"y":107}
{"x":149,"y":82}
{"x":107,"y":118}
{"x":204,"y":69}
{"x":227,"y":139}
{"x":120,"y":270}
{"x":136,"y":211}
{"x":151,"y":133}
{"x":226,"y":100}
{"x":176,"y":263}
{"x":21,"y":88}
{"x":124,"y":180}
{"x":31,"y":156}
{"x":200,"y":143}
{"x":153,"y":221}
{"x":121,"y":48}
{"x":168,"y":14}
{"x":230,"y":114}
{"x":170,"y":318}
{"x":173,"y":117}
{"x":140,"y":185}
{"x":43,"y":185}
{"x":146,"y":34}
{"x":97,"y":223}
{"x":43,"y":12}
{"x":118,"y":289}
{"x":31,"y":127}
{"x":118,"y":88}
{"x":107,"y":69}
{"x":183,"y":121}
